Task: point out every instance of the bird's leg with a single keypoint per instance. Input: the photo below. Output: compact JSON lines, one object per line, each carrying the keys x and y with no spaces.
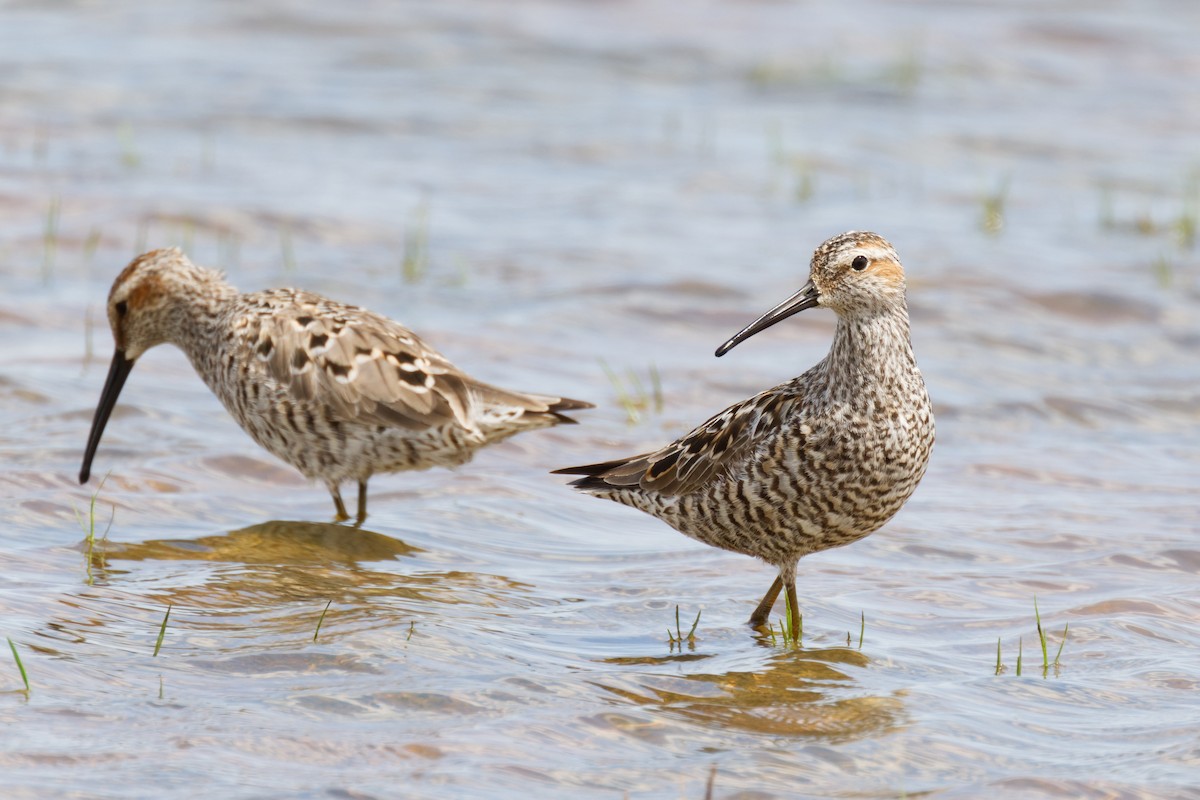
{"x":760,"y":615}
{"x":788,"y":576}
{"x":362,"y":501}
{"x":340,"y":515}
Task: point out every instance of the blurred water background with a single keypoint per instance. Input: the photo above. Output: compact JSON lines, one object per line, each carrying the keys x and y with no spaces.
{"x":556,"y":193}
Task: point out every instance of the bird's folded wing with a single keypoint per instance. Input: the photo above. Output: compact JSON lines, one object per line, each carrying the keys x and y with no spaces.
{"x":720,"y":445}
{"x":365,"y":367}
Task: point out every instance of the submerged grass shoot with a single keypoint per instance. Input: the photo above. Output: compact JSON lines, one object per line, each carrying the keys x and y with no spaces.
{"x":321,"y":619}
{"x":677,"y":638}
{"x":50,"y":238}
{"x":1046,"y":662}
{"x":90,"y":244}
{"x":1043,"y":642}
{"x":805,"y":180}
{"x":20,"y":667}
{"x":792,"y":630}
{"x":187,"y":234}
{"x":162,"y":630}
{"x":905,"y":72}
{"x":656,"y":390}
{"x":89,"y":526}
{"x":415,"y":258}
{"x":1037,"y":615}
{"x":862,"y":629}
{"x":993,"y":203}
{"x":129,"y":153}
{"x":632,"y":394}
{"x":1183,"y":228}
{"x":1163,"y":272}
{"x":1066,"y":628}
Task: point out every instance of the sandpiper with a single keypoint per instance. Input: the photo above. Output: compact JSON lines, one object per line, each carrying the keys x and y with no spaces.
{"x":334,"y":390}
{"x":817,"y":462}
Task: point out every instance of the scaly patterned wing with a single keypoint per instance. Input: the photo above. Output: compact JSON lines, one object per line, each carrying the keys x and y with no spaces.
{"x":364,"y":366}
{"x":692,"y":461}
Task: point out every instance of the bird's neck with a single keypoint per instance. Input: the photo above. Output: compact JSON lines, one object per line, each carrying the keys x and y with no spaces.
{"x":870,"y":350}
{"x":197,"y":320}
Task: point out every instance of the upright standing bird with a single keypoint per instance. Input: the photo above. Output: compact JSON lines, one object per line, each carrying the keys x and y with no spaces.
{"x":334,"y":390}
{"x":817,"y":462}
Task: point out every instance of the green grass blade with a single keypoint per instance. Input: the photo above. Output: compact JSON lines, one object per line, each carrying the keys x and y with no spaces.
{"x":1041,"y":635}
{"x":162,"y":631}
{"x":793,"y":629}
{"x":692,"y":633}
{"x":862,"y":628}
{"x":321,"y":619}
{"x":111,"y":519}
{"x":1066,"y":628}
{"x":635,"y":383}
{"x":20,"y":667}
{"x":999,"y":665}
{"x":624,"y":398}
{"x":656,"y":388}
{"x":50,"y":238}
{"x":89,"y":527}
{"x":415,"y":259}
{"x":1020,"y":653}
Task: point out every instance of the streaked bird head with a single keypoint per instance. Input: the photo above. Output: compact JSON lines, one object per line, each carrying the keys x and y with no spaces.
{"x":146,"y":307}
{"x":858,"y":271}
{"x":855,"y":272}
{"x":150,"y":296}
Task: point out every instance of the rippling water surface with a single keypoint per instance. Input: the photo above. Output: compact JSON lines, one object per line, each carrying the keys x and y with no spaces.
{"x":548,"y":191}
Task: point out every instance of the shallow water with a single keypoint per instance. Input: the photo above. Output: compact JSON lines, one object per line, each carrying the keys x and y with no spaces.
{"x":628,"y":184}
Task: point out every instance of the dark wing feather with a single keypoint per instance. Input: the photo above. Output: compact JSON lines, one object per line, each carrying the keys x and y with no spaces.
{"x":364,"y":366}
{"x":691,"y":462}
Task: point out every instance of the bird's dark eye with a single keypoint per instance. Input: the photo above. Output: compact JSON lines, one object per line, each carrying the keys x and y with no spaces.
{"x":860,"y":263}
{"x":121,"y":308}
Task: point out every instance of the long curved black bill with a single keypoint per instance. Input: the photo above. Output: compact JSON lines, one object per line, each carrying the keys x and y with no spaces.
{"x":117,"y":373}
{"x":805,"y":298}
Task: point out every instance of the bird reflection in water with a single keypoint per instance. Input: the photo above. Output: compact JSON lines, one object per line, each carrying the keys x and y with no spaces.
{"x":278,"y":563}
{"x":795,"y":693}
